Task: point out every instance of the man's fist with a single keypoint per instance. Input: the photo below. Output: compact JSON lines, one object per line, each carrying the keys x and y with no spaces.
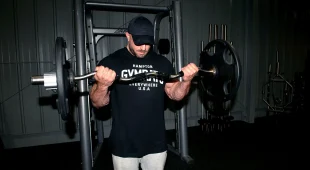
{"x":104,"y":76}
{"x":190,"y":72}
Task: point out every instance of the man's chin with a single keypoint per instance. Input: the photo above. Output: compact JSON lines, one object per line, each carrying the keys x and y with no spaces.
{"x":140,"y":56}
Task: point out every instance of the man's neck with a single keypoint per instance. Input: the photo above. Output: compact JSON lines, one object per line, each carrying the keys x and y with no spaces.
{"x":127,"y":46}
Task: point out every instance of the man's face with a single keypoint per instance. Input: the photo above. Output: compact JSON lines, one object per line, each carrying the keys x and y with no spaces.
{"x":138,"y":51}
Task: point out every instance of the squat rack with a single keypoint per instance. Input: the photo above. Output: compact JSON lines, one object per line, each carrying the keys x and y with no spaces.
{"x":83,"y":24}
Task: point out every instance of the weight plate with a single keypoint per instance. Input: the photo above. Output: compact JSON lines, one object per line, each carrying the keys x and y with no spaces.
{"x":224,"y":84}
{"x":62,"y":75}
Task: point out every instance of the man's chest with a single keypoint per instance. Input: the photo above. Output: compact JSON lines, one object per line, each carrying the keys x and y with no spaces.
{"x":130,"y":68}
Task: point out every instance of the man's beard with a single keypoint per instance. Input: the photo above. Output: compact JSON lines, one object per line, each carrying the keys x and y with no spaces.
{"x":134,"y":53}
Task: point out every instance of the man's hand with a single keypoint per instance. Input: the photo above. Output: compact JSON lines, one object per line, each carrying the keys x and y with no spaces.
{"x":104,"y":76}
{"x":190,"y":72}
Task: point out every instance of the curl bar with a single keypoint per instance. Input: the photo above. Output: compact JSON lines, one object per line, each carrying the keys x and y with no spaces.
{"x":219,"y":74}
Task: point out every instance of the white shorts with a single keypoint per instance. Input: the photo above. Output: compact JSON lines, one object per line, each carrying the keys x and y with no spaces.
{"x":154,"y":161}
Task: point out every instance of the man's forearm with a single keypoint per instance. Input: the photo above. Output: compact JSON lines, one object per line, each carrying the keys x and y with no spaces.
{"x":99,"y":96}
{"x":179,"y":90}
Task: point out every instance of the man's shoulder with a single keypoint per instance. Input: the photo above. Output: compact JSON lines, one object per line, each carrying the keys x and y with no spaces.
{"x":165,"y":63}
{"x":119,"y":52}
{"x":111,"y":57}
{"x":116,"y":54}
{"x":160,"y":57}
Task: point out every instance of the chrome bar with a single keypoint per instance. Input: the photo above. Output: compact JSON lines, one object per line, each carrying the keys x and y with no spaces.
{"x":213,"y":71}
{"x":84,"y":76}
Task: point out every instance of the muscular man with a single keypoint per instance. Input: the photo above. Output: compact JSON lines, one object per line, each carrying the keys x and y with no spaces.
{"x":138,"y":125}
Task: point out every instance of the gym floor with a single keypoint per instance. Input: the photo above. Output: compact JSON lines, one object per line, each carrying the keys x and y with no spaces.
{"x":274,"y":142}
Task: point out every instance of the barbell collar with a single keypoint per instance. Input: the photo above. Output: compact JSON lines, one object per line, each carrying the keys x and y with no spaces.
{"x":37,"y":80}
{"x":49,"y":80}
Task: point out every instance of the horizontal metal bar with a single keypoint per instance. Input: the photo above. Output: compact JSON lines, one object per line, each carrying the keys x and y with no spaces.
{"x":278,"y":80}
{"x":28,"y":62}
{"x":101,"y":6}
{"x":282,"y":111}
{"x":109,"y":31}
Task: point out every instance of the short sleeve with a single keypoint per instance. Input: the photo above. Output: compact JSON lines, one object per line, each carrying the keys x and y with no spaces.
{"x":104,"y":62}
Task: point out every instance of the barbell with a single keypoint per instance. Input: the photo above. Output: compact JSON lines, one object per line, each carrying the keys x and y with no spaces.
{"x":216,"y":73}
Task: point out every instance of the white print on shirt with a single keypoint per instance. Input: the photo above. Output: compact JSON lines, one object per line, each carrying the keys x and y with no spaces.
{"x":138,"y":68}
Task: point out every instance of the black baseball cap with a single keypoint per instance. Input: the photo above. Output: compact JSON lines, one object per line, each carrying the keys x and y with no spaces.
{"x":142,"y":31}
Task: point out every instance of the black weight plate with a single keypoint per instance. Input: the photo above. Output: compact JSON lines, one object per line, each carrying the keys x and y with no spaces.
{"x":62,"y":79}
{"x":221,"y":55}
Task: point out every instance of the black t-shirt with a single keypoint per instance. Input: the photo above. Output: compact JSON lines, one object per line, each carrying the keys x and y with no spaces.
{"x":138,"y":124}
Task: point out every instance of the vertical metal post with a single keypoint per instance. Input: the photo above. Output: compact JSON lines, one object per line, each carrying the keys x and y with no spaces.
{"x":183,"y":141}
{"x":250,"y":64}
{"x":93,"y":63}
{"x":91,"y":40}
{"x":83,"y":108}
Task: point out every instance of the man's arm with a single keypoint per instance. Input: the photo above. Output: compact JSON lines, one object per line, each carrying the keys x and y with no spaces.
{"x":99,"y":95}
{"x":177,"y":90}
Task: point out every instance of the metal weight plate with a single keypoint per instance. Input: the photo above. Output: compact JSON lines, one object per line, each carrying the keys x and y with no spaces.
{"x":224,"y":84}
{"x":62,"y":75}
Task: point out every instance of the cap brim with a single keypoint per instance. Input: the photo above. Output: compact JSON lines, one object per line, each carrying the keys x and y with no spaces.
{"x":143,"y":39}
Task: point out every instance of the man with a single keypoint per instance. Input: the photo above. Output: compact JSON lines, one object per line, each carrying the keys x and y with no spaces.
{"x":138,"y":125}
